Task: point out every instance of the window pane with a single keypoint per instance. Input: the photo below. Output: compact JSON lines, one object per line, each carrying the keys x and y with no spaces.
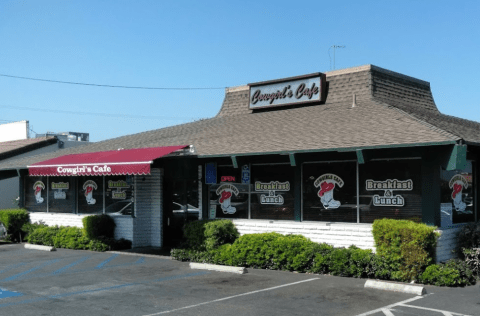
{"x":229,"y":198}
{"x":36,"y":194}
{"x":61,"y":195}
{"x":391,"y":189}
{"x":329,"y":192}
{"x":457,"y":191}
{"x":118,"y":196}
{"x":272,"y":192}
{"x":90,"y":195}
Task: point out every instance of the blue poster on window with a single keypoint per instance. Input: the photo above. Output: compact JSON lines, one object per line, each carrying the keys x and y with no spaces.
{"x":210,"y":173}
{"x":246,"y":174}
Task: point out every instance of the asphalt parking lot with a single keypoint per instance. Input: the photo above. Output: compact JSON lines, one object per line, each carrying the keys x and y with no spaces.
{"x":68,"y":282}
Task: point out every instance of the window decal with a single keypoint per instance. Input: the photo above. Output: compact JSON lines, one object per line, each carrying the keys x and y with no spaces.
{"x":225,"y":192}
{"x":388,"y":199}
{"x":38,"y":187}
{"x":457,"y":183}
{"x":271,"y":187}
{"x":118,"y":194}
{"x":89,"y":186}
{"x":59,"y":194}
{"x":326,"y":183}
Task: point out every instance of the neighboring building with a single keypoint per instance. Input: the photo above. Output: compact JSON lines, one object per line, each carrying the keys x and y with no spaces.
{"x":11,"y":151}
{"x":14,"y":131}
{"x":322,"y":155}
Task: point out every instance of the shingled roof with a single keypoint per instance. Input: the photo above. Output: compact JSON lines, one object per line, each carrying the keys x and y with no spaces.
{"x":11,"y":148}
{"x":391,"y":110}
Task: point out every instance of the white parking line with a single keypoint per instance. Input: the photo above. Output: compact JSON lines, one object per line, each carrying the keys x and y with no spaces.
{"x":230,"y":297}
{"x":446,"y":313}
{"x":386,"y":310}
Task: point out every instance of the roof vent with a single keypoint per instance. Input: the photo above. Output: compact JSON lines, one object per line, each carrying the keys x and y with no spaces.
{"x":354,"y":104}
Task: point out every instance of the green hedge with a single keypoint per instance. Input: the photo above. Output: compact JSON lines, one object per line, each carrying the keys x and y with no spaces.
{"x":406,"y":246}
{"x":97,"y":226}
{"x":452,"y":273}
{"x":74,"y":238}
{"x":209,"y":234}
{"x":13,"y":220}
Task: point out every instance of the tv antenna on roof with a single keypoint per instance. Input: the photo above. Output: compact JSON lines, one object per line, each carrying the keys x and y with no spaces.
{"x":334,"y":48}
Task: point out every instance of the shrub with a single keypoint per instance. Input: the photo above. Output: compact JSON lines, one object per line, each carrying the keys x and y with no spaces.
{"x":407,"y":247}
{"x":28,"y":228}
{"x":43,"y":235}
{"x":472,"y":259}
{"x":219,"y":232}
{"x":467,"y":238}
{"x":452,"y":273}
{"x":209,"y":234}
{"x":13,"y":220}
{"x":96,"y":226}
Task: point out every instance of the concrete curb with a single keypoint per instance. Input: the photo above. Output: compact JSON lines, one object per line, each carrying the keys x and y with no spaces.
{"x":39,"y":247}
{"x":395,"y":287}
{"x":219,"y":268}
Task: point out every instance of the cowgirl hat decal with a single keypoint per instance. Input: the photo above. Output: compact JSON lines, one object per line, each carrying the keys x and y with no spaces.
{"x":457,"y":184}
{"x":38,"y":187}
{"x":225,"y":191}
{"x":326,"y":183}
{"x":89,"y":186}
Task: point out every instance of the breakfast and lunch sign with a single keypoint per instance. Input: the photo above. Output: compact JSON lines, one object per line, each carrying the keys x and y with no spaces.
{"x":289,"y":91}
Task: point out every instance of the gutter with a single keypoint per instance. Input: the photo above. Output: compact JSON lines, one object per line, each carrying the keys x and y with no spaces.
{"x":340,"y":149}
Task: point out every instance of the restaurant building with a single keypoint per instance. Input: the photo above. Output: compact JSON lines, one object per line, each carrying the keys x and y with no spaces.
{"x":322,"y":155}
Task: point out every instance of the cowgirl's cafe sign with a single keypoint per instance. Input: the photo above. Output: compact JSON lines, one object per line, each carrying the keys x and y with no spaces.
{"x":288,"y":91}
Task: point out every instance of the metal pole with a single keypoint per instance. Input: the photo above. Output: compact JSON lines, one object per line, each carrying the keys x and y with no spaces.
{"x":358,"y":196}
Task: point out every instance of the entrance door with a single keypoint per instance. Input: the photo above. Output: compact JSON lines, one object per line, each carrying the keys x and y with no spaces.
{"x":181,"y":206}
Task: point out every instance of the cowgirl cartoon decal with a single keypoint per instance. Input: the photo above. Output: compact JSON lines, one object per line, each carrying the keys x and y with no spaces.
{"x":457,"y":184}
{"x":89,"y":186}
{"x":38,"y":187}
{"x":225,"y":191}
{"x":326,"y":183}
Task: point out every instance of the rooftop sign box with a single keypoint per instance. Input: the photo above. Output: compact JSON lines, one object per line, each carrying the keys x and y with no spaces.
{"x":289,"y":91}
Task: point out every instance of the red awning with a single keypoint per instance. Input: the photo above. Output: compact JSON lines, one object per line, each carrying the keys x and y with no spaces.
{"x":113,"y":162}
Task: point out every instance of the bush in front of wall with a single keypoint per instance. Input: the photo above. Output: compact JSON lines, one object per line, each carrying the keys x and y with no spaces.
{"x":468,"y":238}
{"x":43,"y":235}
{"x":452,"y":273}
{"x":97,"y":226}
{"x":13,"y":220}
{"x":406,"y":246}
{"x":472,"y":259}
{"x":209,"y":234}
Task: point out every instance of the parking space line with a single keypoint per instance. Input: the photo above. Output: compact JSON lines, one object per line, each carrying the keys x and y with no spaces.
{"x":233,"y":296}
{"x":392,"y":305}
{"x":70,"y":265}
{"x":13,"y":277}
{"x":446,"y":313}
{"x":13,"y":266}
{"x":387,"y":312}
{"x":106,"y":261}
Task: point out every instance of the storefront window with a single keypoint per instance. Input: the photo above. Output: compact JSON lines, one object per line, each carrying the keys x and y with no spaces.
{"x":457,"y":195}
{"x":272,"y":192}
{"x":329,"y":192}
{"x":61,"y":195}
{"x":90,"y":195}
{"x":36,"y":194}
{"x":118,"y":195}
{"x":229,"y":198}
{"x":390,"y":189}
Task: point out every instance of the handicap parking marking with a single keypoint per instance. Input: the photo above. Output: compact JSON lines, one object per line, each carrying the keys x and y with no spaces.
{"x":13,"y":277}
{"x":114,"y":287}
{"x":389,"y":310}
{"x":106,"y":261}
{"x":5,"y":294}
{"x":233,"y":296}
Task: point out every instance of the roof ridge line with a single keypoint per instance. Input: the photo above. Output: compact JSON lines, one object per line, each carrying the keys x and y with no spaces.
{"x":431,"y":126}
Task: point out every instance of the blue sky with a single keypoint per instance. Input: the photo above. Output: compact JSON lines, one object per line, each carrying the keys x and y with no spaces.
{"x":183,"y":44}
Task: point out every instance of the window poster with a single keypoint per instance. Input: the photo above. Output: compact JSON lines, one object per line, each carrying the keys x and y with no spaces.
{"x":457,"y":188}
{"x":391,"y":189}
{"x":329,"y":192}
{"x":36,"y":194}
{"x":229,"y":197}
{"x":90,"y":194}
{"x":61,"y":195}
